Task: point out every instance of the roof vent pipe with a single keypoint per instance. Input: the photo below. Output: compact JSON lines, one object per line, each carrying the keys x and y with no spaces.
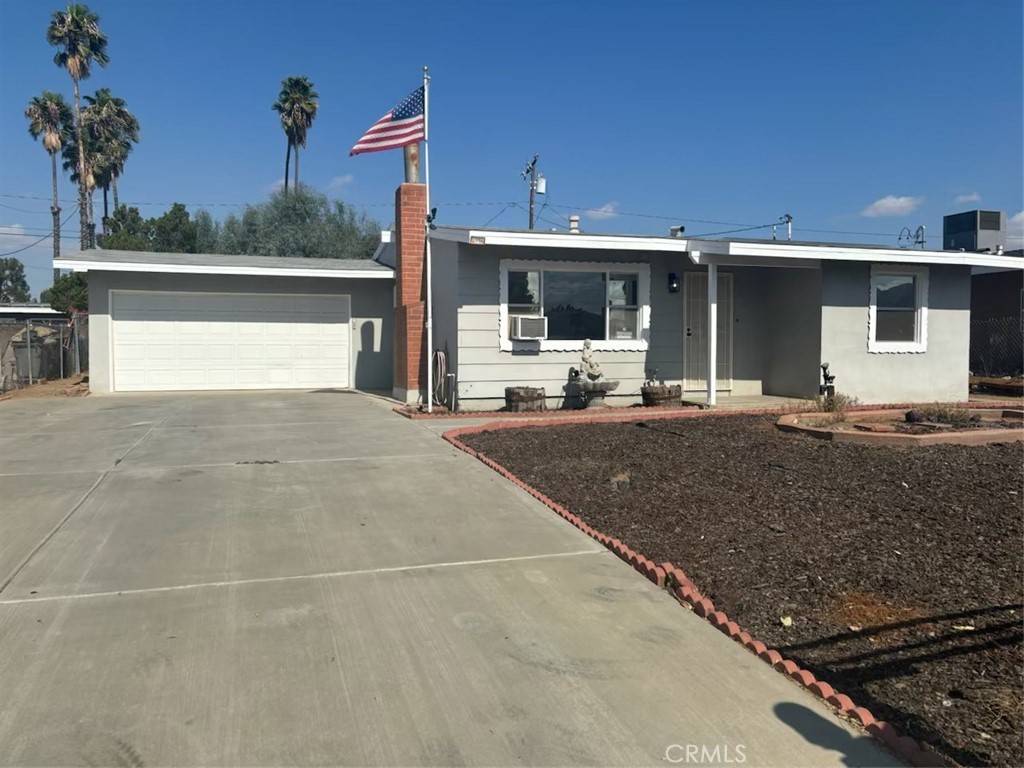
{"x":574,"y":224}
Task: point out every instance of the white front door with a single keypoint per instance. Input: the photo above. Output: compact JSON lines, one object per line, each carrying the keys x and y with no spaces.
{"x":695,"y":331}
{"x":197,"y":341}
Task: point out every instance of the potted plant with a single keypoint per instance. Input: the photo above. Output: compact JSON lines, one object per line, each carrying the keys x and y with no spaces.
{"x":654,"y":393}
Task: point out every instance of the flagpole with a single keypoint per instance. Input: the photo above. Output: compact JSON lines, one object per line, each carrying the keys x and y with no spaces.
{"x":426,"y":224}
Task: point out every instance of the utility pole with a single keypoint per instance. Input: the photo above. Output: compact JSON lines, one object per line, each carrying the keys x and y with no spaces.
{"x":530,"y":172}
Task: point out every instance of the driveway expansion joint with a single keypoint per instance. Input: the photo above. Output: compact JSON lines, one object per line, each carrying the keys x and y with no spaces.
{"x":298,"y":577}
{"x":78,"y":505}
{"x":673,"y":579}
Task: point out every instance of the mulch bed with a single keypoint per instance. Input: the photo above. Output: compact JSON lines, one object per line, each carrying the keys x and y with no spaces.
{"x":901,"y":569}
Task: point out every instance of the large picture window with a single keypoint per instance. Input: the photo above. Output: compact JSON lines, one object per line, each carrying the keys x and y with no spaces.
{"x":897,"y":315}
{"x":580,"y":301}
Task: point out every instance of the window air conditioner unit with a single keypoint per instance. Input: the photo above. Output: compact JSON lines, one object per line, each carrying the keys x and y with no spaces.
{"x":529,"y":327}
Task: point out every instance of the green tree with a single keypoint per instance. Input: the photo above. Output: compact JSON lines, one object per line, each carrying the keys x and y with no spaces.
{"x":76,"y":32}
{"x":113,"y":130}
{"x":128,"y":231}
{"x":207,"y":232}
{"x":70,"y":291}
{"x":297,"y":106}
{"x":13,"y":285}
{"x":174,"y":232}
{"x":50,"y":116}
{"x":303,"y":223}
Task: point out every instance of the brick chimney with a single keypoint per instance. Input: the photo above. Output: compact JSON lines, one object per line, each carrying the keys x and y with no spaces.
{"x":410,"y":294}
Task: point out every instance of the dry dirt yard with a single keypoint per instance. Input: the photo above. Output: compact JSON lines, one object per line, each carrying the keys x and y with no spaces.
{"x":72,"y":386}
{"x":901,"y":569}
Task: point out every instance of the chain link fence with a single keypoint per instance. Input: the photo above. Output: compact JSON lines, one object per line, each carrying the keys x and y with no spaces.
{"x":32,"y":351}
{"x":997,"y":346}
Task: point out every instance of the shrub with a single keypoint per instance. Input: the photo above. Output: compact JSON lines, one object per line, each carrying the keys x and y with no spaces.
{"x":943,"y":413}
{"x":837,"y":405}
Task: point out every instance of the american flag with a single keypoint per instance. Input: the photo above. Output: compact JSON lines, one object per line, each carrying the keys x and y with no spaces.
{"x":401,"y":126}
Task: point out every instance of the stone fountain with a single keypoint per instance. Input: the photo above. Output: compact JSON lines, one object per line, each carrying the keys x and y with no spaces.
{"x":589,"y":380}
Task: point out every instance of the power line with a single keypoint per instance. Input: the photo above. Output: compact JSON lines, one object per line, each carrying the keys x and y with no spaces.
{"x":734,"y":231}
{"x":33,"y":234}
{"x":44,"y":237}
{"x":498,"y":214}
{"x":21,"y":210}
{"x":654,"y":216}
{"x":741,"y":226}
{"x":235,"y":205}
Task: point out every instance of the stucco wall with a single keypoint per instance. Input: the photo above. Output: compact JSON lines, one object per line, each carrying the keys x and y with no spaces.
{"x":484,"y":370}
{"x":940,"y":373}
{"x":791,"y":331}
{"x":372,"y":315}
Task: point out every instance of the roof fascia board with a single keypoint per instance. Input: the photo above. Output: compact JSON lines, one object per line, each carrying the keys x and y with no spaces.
{"x":560,"y":240}
{"x":724,"y":260}
{"x":893,"y":255}
{"x":81,"y":265}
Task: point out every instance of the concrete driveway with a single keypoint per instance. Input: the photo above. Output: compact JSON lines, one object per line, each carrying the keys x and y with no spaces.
{"x":308,"y":579}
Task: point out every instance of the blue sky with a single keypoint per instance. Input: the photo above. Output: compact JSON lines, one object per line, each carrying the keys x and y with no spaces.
{"x":734,"y":111}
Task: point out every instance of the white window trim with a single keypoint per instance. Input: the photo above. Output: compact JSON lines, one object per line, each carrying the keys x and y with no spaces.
{"x":920,"y":343}
{"x":643,"y":272}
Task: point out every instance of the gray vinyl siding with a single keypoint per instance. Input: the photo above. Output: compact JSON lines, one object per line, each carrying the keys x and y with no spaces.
{"x":939,"y":373}
{"x":484,"y":370}
{"x":372,"y":314}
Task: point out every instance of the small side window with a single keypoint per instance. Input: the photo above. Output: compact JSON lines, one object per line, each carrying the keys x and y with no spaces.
{"x":898,"y":310}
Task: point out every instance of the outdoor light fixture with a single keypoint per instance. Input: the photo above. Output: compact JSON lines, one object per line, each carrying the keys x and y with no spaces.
{"x":673,"y":282}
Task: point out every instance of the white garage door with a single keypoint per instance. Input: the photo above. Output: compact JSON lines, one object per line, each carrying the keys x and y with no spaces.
{"x":180,"y":341}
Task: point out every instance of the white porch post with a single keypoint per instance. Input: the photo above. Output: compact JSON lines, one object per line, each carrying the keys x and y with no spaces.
{"x":712,"y":331}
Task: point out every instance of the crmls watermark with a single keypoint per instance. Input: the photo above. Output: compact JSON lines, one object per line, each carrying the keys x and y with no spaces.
{"x":703,"y":754}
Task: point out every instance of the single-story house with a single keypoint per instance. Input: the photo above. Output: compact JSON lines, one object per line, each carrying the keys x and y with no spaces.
{"x":513,"y":308}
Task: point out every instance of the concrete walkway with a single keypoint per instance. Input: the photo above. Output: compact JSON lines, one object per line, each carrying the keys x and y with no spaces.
{"x":308,"y":579}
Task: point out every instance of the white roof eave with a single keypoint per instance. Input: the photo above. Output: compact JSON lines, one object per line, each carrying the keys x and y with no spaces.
{"x":84,"y":265}
{"x":539,"y":239}
{"x":875,"y":255}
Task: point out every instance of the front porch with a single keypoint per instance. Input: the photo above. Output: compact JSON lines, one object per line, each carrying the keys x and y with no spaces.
{"x":748,"y":402}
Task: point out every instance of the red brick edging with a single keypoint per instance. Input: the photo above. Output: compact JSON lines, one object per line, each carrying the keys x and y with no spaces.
{"x":626,"y":413}
{"x":674,"y":579}
{"x":557,"y":413}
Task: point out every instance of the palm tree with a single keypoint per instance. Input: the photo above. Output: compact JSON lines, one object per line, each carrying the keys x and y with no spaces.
{"x":114,"y":130}
{"x":297,"y":106}
{"x":50,"y":116}
{"x":76,"y":32}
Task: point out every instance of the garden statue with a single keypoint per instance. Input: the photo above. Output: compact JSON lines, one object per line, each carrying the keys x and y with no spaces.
{"x":589,"y":365}
{"x":589,"y":382}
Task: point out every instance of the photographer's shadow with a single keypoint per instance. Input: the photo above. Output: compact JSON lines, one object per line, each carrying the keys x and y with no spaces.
{"x":816,"y":728}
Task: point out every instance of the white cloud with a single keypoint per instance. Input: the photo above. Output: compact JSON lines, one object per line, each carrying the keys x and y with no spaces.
{"x":13,"y":236}
{"x":341,"y":181}
{"x":1015,"y":231}
{"x":274,"y":186}
{"x":890,"y":205}
{"x":973,"y":197}
{"x":606,"y":211}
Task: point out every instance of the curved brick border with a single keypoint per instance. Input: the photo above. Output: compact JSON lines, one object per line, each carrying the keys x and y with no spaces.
{"x":674,"y":579}
{"x":790,"y":422}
